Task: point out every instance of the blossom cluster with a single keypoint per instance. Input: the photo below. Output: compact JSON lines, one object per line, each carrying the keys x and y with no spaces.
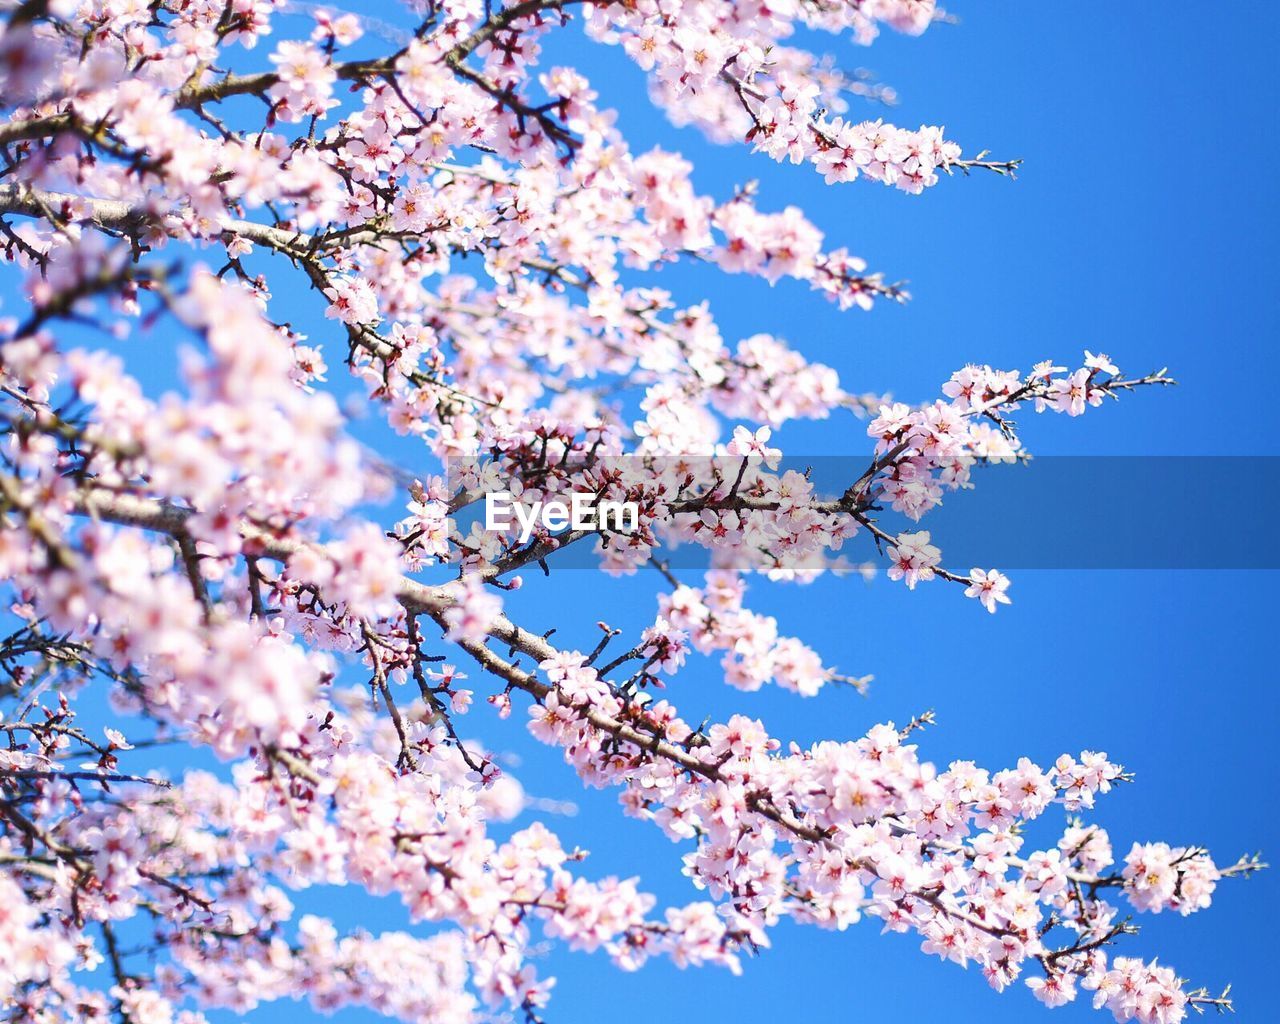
{"x":210,"y":864}
{"x":840,"y":831}
{"x":737,"y":499}
{"x":470,"y":226}
{"x":712,"y":618}
{"x":718,"y":65}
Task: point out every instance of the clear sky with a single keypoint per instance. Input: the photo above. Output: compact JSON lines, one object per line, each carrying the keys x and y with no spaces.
{"x":1142,"y":224}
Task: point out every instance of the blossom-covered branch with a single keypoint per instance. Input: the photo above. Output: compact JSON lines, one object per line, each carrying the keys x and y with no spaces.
{"x":464,"y":229}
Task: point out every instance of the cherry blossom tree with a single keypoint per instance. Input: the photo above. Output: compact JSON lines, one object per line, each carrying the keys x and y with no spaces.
{"x":220,"y":560}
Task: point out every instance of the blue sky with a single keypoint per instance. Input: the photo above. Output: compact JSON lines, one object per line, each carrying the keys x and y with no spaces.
{"x":1142,"y":225}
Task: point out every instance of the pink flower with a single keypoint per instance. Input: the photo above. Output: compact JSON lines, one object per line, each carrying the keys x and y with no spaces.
{"x":913,"y":558}
{"x":1100,"y":362}
{"x":1057,"y":989}
{"x":352,"y":301}
{"x":752,"y":445}
{"x":473,"y":611}
{"x":305,"y":80}
{"x":989,"y":587}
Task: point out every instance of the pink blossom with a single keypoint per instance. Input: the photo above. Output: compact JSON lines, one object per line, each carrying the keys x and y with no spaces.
{"x":989,"y":587}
